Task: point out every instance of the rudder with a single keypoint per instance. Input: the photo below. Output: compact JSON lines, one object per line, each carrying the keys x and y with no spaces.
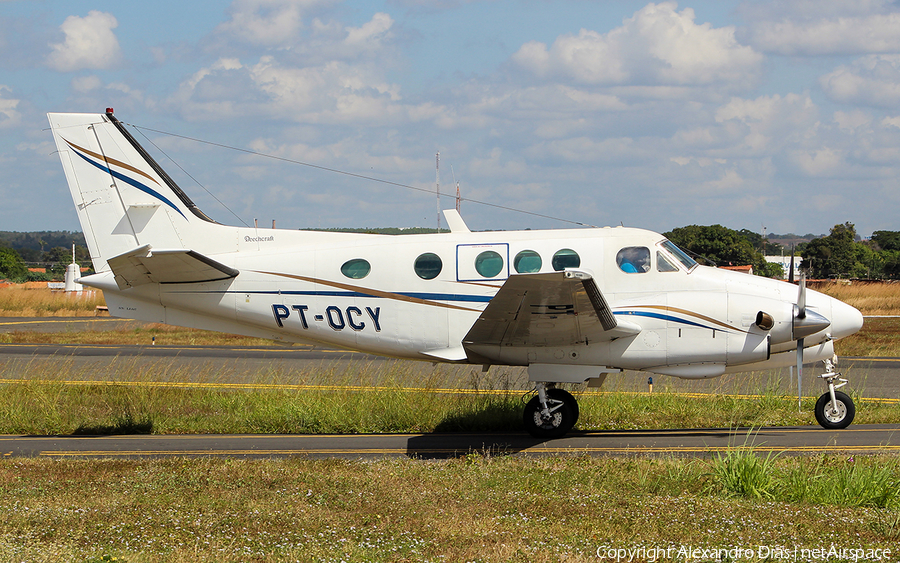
{"x":123,"y":198}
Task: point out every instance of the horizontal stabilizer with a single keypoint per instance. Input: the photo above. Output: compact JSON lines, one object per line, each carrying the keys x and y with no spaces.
{"x":145,"y":265}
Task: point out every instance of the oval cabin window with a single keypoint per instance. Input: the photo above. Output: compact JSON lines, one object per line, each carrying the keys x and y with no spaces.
{"x":428,"y":266}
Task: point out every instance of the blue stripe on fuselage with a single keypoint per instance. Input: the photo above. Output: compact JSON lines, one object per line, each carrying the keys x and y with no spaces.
{"x":663,"y":317}
{"x":130,"y":181}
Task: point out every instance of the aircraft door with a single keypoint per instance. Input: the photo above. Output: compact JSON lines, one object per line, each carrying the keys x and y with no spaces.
{"x":482,"y":262}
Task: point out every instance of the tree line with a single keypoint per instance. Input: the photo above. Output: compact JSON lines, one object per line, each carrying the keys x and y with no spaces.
{"x":51,"y":250}
{"x":839,"y":255}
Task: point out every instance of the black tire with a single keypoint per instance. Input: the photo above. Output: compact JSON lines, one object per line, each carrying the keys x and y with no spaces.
{"x":845,"y":407}
{"x":561,"y":420}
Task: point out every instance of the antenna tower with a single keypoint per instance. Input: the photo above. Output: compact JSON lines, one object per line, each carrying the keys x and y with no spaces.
{"x":437,"y":186}
{"x":457,"y":187}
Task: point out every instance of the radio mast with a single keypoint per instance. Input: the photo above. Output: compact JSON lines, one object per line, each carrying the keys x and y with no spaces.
{"x":437,"y":186}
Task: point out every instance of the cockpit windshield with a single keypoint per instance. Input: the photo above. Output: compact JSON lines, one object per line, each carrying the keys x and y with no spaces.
{"x":679,"y":254}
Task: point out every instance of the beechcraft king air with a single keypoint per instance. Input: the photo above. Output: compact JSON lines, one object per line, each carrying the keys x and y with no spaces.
{"x":571,"y":305}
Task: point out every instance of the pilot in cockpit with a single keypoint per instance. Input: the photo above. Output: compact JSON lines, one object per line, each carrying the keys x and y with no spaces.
{"x":634,"y":259}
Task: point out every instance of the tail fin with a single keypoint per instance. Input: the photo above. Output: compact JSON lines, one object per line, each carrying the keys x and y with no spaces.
{"x":124,"y":199}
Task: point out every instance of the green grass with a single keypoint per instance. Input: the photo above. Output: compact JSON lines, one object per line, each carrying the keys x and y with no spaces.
{"x":474,"y":508}
{"x":168,"y":397}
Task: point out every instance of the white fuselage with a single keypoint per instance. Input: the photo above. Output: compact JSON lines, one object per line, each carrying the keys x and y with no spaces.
{"x":695,"y":323}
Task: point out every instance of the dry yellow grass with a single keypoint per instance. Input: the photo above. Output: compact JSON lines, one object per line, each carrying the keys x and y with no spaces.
{"x":18,"y":301}
{"x":870,"y":298}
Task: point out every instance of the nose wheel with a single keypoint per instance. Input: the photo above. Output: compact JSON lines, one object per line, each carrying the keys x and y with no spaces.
{"x":834,"y":410}
{"x":551,"y":413}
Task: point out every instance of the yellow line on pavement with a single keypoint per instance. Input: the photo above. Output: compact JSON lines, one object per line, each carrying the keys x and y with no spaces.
{"x":414,"y":451}
{"x":358,"y":388}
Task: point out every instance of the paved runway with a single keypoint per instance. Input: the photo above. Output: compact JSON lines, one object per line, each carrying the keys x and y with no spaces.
{"x":861,"y":439}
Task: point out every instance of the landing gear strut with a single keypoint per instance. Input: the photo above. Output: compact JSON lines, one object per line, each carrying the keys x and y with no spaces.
{"x":551,"y":413}
{"x":834,"y":409}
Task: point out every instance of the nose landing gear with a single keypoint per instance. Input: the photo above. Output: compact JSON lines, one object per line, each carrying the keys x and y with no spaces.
{"x":834,"y":409}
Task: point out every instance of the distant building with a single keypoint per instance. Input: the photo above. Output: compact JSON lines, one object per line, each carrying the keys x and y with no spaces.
{"x":743,"y":269}
{"x":785,"y":262}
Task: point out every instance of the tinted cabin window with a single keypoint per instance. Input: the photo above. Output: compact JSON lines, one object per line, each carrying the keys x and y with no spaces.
{"x":428,"y":266}
{"x":634,"y":259}
{"x":488,"y":264}
{"x":527,"y":262}
{"x":565,"y":258}
{"x":356,"y":268}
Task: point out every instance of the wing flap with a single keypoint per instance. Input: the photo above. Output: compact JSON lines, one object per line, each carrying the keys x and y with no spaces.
{"x":147,"y":265}
{"x":551,"y":309}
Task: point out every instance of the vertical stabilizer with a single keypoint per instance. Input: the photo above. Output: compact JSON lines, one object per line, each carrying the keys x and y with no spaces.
{"x":123,"y":198}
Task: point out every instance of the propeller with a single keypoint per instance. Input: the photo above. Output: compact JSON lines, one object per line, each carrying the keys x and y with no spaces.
{"x":800,"y":315}
{"x":805,"y":323}
{"x":791,"y":274}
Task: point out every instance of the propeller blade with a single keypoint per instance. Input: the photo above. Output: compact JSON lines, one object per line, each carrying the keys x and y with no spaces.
{"x":791,"y":274}
{"x":799,"y":374}
{"x":801,"y":297}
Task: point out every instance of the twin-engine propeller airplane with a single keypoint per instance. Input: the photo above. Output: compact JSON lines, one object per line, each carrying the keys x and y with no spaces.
{"x":571,"y":305}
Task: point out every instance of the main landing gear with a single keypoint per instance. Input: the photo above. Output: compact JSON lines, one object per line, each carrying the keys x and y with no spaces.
{"x":834,"y":409}
{"x":551,"y":413}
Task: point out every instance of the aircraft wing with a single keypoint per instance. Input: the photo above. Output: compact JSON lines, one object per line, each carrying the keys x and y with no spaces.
{"x":145,"y":265}
{"x":552,"y":309}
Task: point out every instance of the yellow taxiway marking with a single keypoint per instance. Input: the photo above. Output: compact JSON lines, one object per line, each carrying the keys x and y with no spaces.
{"x":67,"y":320}
{"x":347,"y":388}
{"x":413,"y":451}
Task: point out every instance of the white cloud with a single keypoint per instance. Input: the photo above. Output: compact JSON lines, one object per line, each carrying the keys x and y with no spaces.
{"x":658,"y":45}
{"x":823,"y":27}
{"x":90,"y":43}
{"x":334,"y":93}
{"x":873,"y":80}
{"x":870,"y":34}
{"x":267,"y":22}
{"x":9,"y":115}
{"x":84,"y":84}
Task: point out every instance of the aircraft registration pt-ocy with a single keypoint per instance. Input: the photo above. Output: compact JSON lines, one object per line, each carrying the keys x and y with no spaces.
{"x":571,"y":305}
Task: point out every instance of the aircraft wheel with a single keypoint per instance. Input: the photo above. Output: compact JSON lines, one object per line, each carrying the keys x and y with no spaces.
{"x":562,"y":417}
{"x":835,"y":420}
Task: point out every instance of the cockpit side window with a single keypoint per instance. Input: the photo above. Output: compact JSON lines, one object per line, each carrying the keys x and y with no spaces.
{"x":663,"y":264}
{"x":679,"y":254}
{"x":634,"y":259}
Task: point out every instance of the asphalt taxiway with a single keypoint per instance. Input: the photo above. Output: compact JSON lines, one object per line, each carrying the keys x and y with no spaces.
{"x":861,"y":439}
{"x":240,"y":367}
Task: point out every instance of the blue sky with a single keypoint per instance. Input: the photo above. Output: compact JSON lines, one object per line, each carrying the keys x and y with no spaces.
{"x":654,"y":115}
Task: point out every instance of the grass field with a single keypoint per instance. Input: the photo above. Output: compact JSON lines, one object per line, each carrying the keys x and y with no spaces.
{"x":479,"y":507}
{"x":475,"y":508}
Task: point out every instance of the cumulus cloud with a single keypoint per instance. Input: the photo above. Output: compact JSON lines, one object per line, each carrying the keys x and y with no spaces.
{"x":872,"y":81}
{"x":9,"y":115}
{"x":336,"y":92}
{"x":89,"y":44}
{"x":822,"y":27}
{"x":267,"y":22}
{"x":658,"y":45}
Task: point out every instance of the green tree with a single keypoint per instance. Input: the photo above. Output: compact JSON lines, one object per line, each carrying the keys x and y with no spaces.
{"x":11,"y":265}
{"x":887,"y":240}
{"x":723,"y":247}
{"x":837,"y":255}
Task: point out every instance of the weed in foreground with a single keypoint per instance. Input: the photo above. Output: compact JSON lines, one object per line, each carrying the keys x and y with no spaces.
{"x":742,"y":473}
